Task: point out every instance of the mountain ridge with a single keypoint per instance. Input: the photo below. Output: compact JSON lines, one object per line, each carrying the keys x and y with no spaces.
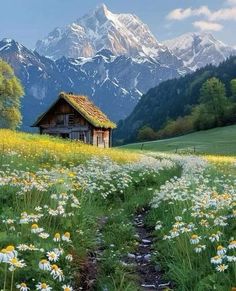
{"x":102,"y":77}
{"x":87,"y":27}
{"x":123,"y":34}
{"x":126,"y":34}
{"x":198,"y":49}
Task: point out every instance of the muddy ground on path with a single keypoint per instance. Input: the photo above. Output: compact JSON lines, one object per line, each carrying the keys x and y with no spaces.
{"x":150,"y":275}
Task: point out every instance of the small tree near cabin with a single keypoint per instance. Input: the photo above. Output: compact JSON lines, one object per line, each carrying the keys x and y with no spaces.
{"x":11,"y":92}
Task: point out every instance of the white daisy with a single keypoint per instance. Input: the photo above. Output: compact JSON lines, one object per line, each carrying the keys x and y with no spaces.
{"x":232,"y":245}
{"x":221,"y":250}
{"x":22,"y":287}
{"x":44,"y":235}
{"x":69,"y":258}
{"x":36,"y":229}
{"x":66,"y":237}
{"x":195,"y":239}
{"x":216,"y":260}
{"x":53,"y":256}
{"x":57,"y":273}
{"x":43,"y":287}
{"x":222,"y":268}
{"x":3,"y":256}
{"x":44,"y":265}
{"x":57,"y":237}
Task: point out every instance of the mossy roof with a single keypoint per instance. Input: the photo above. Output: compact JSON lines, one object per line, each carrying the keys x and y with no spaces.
{"x":86,"y":108}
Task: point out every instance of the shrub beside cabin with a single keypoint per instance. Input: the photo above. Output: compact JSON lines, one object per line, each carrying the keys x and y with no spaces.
{"x":76,"y":117}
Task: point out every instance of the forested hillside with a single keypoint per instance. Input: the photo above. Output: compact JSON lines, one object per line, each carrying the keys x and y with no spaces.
{"x":171,"y":99}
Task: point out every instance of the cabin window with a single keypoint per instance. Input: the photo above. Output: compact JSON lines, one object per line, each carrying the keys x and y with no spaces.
{"x":65,"y":119}
{"x":79,"y":120}
{"x":60,"y":119}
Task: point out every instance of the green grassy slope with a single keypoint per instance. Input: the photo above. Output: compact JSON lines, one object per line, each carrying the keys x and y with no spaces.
{"x":214,"y":141}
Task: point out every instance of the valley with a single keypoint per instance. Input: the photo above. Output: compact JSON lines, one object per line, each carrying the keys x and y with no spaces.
{"x":217,"y":141}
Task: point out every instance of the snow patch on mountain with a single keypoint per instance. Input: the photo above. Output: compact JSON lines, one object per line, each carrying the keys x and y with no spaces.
{"x":111,"y":81}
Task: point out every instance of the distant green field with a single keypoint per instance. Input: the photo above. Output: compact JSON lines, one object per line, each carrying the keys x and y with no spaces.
{"x":214,"y":141}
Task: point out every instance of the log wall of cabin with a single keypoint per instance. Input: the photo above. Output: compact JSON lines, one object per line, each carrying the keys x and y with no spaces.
{"x":63,"y":120}
{"x":62,"y":108}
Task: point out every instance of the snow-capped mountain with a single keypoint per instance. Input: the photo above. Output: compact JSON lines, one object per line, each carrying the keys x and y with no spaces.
{"x":122,"y":34}
{"x":29,"y":66}
{"x":39,"y":76}
{"x":199,"y":49}
{"x":126,"y":34}
{"x":114,"y":83}
{"x":112,"y":58}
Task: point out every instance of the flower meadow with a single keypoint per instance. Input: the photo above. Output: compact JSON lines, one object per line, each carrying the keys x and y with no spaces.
{"x":195,"y":219}
{"x":55,"y":193}
{"x":48,"y":150}
{"x":48,"y":215}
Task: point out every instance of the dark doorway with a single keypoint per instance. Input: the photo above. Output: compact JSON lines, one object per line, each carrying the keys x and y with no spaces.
{"x":65,"y":135}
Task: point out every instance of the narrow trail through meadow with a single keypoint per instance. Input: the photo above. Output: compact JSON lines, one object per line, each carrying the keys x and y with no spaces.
{"x":125,"y":257}
{"x":150,"y":275}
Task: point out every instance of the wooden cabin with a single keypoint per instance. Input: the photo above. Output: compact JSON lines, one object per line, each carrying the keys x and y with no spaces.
{"x":77,"y":118}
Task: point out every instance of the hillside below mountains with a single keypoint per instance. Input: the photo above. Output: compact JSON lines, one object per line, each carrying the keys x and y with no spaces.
{"x":171,"y":99}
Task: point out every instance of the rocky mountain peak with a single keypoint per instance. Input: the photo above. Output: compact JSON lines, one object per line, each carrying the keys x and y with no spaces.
{"x":123,"y":34}
{"x":102,"y":9}
{"x":198,"y":49}
{"x":8,"y":44}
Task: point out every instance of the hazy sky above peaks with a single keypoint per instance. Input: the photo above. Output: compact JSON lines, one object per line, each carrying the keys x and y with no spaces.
{"x":27,"y":21}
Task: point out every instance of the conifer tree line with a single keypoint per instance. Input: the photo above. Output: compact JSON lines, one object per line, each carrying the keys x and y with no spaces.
{"x":11,"y":92}
{"x":214,"y":109}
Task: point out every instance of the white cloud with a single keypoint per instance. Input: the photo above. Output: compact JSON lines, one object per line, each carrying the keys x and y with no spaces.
{"x":180,"y":14}
{"x":223,"y":14}
{"x":204,"y":11}
{"x":208,"y":26}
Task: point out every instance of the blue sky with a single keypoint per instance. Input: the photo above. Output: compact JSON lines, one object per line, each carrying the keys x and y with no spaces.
{"x":29,"y":20}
